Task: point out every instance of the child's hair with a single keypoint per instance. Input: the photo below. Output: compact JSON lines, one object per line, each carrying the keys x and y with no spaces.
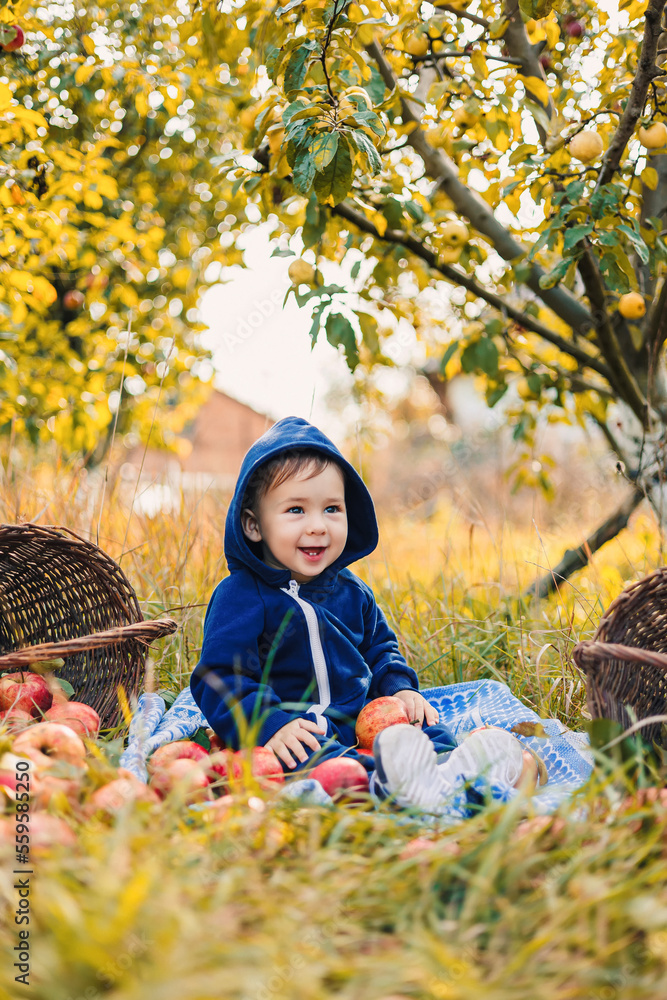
{"x":277,"y":470}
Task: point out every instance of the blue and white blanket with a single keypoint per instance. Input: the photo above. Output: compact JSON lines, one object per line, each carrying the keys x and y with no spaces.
{"x":462,"y":707}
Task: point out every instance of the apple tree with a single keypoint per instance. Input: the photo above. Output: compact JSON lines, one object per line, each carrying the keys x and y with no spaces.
{"x":504,"y":160}
{"x":111,"y":220}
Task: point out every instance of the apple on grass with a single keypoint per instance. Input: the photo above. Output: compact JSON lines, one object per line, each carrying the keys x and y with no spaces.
{"x":15,"y":718}
{"x":80,"y":717}
{"x":48,"y":742}
{"x":25,"y":690}
{"x":179,"y":749}
{"x":378,"y":715}
{"x":265,"y":766}
{"x":183,"y":775}
{"x":342,"y":778}
{"x":119,"y":793}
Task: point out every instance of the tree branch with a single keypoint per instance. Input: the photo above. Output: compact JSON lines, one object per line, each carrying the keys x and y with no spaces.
{"x":647,"y":71}
{"x":575,"y":559}
{"x":463,"y":13}
{"x":621,"y":376}
{"x":442,"y":169}
{"x":430,"y":257}
{"x":519,"y":46}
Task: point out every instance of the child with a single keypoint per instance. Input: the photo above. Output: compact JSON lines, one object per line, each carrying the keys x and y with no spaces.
{"x":294,"y":640}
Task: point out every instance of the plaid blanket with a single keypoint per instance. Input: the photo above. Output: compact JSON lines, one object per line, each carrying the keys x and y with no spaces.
{"x":462,"y":707}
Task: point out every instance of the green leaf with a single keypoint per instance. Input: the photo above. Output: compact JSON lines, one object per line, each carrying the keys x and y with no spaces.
{"x":370,"y":120}
{"x":638,"y":243}
{"x":375,"y":87}
{"x":297,"y":67}
{"x":354,"y":270}
{"x":369,"y":331}
{"x":367,"y":149}
{"x":575,"y":234}
{"x":521,"y":152}
{"x":335,"y":181}
{"x":536,"y":8}
{"x":323,"y":150}
{"x":66,"y":686}
{"x":341,"y":333}
{"x":556,"y":274}
{"x":315,"y":223}
{"x":415,"y":211}
{"x":448,"y":355}
{"x":609,"y":238}
{"x":283,"y":253}
{"x":316,"y":324}
{"x":304,"y":172}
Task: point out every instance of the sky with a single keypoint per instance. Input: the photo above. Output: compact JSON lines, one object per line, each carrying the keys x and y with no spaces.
{"x":261,"y":349}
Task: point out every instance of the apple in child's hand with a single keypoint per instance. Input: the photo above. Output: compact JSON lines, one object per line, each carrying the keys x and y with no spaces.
{"x":341,"y":777}
{"x":184,"y":774}
{"x":180,"y":749}
{"x":378,"y":715}
{"x":26,"y":691}
{"x":83,"y":719}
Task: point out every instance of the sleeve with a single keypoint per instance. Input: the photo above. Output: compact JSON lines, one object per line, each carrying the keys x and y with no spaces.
{"x":227,"y":682}
{"x":379,"y":648}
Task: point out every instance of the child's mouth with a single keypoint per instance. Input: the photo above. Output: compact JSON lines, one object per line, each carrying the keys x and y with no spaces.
{"x":313,"y":554}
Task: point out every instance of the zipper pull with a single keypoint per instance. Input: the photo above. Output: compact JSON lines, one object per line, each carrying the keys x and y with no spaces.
{"x":293,"y":588}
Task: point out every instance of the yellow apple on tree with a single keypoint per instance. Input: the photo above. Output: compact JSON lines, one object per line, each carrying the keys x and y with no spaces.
{"x":653,"y":137}
{"x":632,"y":305}
{"x":586,"y":145}
{"x":301,"y":272}
{"x":454,"y":234}
{"x":417,"y":45}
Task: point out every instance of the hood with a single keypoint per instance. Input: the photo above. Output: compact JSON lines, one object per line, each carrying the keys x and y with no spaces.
{"x":362,"y":529}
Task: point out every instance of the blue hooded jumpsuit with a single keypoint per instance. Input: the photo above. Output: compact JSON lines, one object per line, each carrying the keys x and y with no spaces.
{"x":275,"y":649}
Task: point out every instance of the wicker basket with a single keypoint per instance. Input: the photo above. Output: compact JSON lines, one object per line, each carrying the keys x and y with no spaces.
{"x":61,"y":596}
{"x":626,"y":661}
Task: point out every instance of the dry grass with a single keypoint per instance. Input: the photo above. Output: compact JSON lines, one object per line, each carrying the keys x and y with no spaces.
{"x":308,"y":904}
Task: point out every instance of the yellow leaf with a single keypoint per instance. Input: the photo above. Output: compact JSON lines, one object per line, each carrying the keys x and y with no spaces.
{"x":538,"y":87}
{"x":650,"y":178}
{"x":88,"y":44}
{"x":84,"y":73}
{"x":380,"y":223}
{"x":107,"y":187}
{"x":44,"y":290}
{"x":479,"y":64}
{"x":5,"y":96}
{"x":141,"y":104}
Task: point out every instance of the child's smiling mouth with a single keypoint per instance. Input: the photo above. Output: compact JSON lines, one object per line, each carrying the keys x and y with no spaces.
{"x":314,"y":552}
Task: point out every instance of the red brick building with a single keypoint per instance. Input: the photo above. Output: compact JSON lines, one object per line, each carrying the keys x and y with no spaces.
{"x":220,"y":436}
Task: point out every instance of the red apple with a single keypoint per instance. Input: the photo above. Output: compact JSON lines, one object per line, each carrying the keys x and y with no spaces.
{"x":265,"y":765}
{"x":341,"y":777}
{"x":48,"y":831}
{"x":8,"y":784}
{"x":575,"y":29}
{"x":186,"y":749}
{"x":545,"y":62}
{"x":26,"y":691}
{"x":378,"y":715}
{"x":114,"y":796}
{"x":421,"y":845}
{"x":15,"y":718}
{"x":47,"y":787}
{"x":83,"y":719}
{"x":73,"y":299}
{"x":183,"y":774}
{"x":47,"y":742}
{"x":12,"y":37}
{"x":220,"y":764}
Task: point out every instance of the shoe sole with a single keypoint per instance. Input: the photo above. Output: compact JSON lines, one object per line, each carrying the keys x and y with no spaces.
{"x":404,"y":756}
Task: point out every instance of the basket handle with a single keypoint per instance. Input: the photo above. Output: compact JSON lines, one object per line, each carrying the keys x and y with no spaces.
{"x":144,"y":631}
{"x":589,"y":651}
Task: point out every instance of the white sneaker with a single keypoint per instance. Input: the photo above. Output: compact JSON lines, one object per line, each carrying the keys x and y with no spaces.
{"x":492,"y":753}
{"x":406,"y":769}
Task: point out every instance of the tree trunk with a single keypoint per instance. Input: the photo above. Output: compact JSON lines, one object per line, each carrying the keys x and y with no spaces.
{"x":575,"y":559}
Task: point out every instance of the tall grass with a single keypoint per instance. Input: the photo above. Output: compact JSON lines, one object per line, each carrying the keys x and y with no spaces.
{"x":303,"y":903}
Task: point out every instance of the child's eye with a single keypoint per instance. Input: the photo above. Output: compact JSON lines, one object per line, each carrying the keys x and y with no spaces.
{"x":295,"y":510}
{"x":336,"y":508}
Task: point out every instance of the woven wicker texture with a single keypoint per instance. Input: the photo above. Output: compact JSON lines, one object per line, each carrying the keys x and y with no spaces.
{"x":60,"y":590}
{"x":626,"y":661}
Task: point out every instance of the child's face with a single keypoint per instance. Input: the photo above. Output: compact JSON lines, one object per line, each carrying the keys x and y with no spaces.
{"x":302,"y":524}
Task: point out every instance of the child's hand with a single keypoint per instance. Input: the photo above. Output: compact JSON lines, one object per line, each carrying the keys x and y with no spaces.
{"x":419,"y":709}
{"x":293,"y":737}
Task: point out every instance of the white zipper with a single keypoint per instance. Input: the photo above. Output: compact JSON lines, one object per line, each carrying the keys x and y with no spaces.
{"x":319,"y":663}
